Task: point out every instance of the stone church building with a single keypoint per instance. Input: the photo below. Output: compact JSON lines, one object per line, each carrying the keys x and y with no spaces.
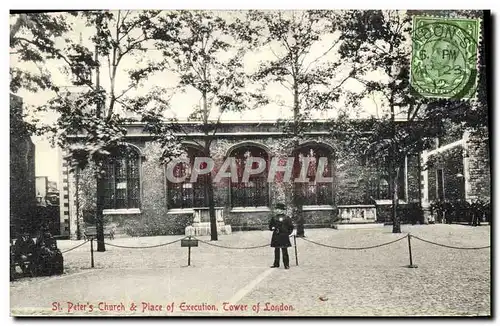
{"x":138,"y":192}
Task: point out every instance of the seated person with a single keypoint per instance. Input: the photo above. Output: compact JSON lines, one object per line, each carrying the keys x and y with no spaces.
{"x":12,"y":263}
{"x":24,"y":252}
{"x":49,"y":257}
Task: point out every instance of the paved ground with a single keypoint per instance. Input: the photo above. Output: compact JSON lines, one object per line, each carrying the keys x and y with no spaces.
{"x":326,"y":282}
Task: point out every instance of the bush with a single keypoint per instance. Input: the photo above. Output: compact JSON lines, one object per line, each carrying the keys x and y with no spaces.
{"x":461,"y":211}
{"x":410,"y":213}
{"x":150,"y":226}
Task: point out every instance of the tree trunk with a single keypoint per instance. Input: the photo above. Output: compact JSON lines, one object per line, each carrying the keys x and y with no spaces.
{"x":210,"y":194}
{"x":77,"y":204}
{"x":300,"y":220}
{"x":396,"y":223}
{"x":394,"y":171}
{"x":296,"y":206}
{"x":211,"y":209}
{"x":99,"y":218}
{"x":298,"y":216}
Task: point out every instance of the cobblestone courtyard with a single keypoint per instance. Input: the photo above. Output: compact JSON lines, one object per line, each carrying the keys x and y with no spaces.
{"x":330,"y":282}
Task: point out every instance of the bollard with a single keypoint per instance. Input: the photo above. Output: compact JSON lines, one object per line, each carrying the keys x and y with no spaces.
{"x":189,"y":253}
{"x":295,"y":245}
{"x":92,"y":252}
{"x":409,"y":251}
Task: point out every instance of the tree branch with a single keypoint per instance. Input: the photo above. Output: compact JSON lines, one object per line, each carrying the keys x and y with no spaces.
{"x":125,"y":91}
{"x":127,"y":12}
{"x":130,"y":47}
{"x":217,"y":124}
{"x":271,"y":48}
{"x":109,"y":66}
{"x":378,"y":47}
{"x":133,"y":25}
{"x":187,"y":134}
{"x":322,"y":55}
{"x":59,"y":55}
{"x":118,"y":25}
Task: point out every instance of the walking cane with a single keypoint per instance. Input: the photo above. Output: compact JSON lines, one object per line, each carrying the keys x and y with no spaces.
{"x":295,"y":245}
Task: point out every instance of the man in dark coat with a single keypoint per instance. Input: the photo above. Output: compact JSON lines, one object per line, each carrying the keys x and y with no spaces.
{"x":49,"y":257}
{"x":282,"y":227}
{"x":24,"y":252}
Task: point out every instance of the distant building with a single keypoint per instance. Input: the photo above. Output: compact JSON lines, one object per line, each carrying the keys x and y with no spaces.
{"x":53,"y":193}
{"x":22,"y":171}
{"x":458,"y":169}
{"x":41,"y":190}
{"x":47,"y":193}
{"x":47,"y":212}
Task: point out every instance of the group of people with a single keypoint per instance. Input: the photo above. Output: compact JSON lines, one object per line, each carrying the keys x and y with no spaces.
{"x":36,"y":258}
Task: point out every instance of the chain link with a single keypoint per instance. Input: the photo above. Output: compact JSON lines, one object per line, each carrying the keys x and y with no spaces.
{"x":81,"y":244}
{"x":354,"y":248}
{"x":451,"y":247}
{"x":144,"y":247}
{"x":226,"y":247}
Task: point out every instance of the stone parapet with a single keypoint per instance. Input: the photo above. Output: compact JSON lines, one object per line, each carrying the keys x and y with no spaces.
{"x":204,"y":229}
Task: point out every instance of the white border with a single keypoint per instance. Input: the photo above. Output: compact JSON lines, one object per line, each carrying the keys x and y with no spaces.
{"x":261,"y":4}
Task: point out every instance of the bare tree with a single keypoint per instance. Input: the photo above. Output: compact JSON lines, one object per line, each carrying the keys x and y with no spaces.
{"x":89,"y":122}
{"x":207,"y":56}
{"x":314,"y":79}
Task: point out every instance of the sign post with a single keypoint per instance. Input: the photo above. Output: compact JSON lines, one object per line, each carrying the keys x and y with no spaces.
{"x":295,"y":245}
{"x":189,"y":243}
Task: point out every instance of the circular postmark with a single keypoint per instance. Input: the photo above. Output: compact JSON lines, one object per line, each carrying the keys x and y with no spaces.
{"x":444,"y":58}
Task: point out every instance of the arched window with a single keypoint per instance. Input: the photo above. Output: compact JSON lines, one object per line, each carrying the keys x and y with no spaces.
{"x":186,"y":194}
{"x":122,"y":179}
{"x":313,"y":192}
{"x":255,"y":192}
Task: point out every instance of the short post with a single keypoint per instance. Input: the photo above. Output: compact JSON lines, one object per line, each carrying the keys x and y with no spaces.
{"x":409,"y":251}
{"x":295,"y":245}
{"x":92,"y":252}
{"x":189,"y":252}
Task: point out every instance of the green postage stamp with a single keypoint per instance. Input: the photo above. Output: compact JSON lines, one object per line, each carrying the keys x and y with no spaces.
{"x":444,"y":57}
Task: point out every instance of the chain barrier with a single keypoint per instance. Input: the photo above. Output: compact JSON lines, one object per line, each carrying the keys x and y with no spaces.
{"x":448,"y":246}
{"x":81,"y":244}
{"x":226,"y":247}
{"x":267,"y":245}
{"x":408,"y":236}
{"x":354,"y":248}
{"x":144,"y":247}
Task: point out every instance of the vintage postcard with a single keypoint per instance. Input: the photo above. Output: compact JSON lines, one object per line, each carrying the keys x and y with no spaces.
{"x":222,"y":163}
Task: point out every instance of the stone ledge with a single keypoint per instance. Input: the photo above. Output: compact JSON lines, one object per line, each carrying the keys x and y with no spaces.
{"x":180,"y":211}
{"x":307,"y":208}
{"x":190,"y":210}
{"x":250,"y":209}
{"x":204,"y":229}
{"x":357,"y":206}
{"x":387,"y":202}
{"x":124,"y":211}
{"x":342,"y":226}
